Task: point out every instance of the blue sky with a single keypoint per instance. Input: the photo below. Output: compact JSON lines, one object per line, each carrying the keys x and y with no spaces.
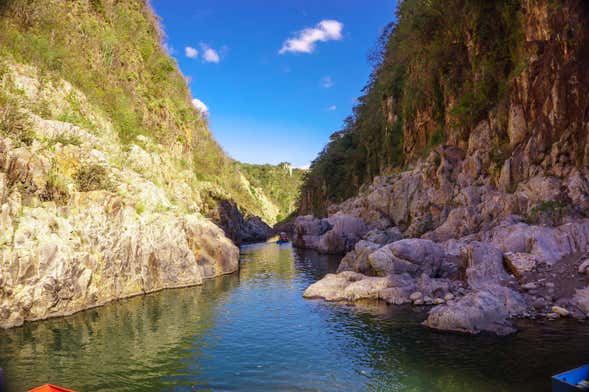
{"x":274,"y":91}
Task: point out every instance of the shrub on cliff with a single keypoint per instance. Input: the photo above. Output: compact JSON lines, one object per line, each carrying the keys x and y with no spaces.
{"x":92,"y":177}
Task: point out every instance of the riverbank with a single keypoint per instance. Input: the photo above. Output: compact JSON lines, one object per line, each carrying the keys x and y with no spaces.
{"x":252,"y":330}
{"x":437,"y":235}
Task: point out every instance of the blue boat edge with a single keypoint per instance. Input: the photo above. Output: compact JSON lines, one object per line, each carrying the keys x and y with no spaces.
{"x":569,"y":380}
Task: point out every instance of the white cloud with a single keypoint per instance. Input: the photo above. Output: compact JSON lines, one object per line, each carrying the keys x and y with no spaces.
{"x":327,"y":82}
{"x":332,"y":108}
{"x":304,"y":42}
{"x":200,"y":106}
{"x":209,"y":54}
{"x":191,"y":52}
{"x":305,"y":167}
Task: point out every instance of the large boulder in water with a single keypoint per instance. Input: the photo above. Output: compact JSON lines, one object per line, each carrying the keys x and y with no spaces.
{"x":352,"y":286}
{"x":486,"y":310}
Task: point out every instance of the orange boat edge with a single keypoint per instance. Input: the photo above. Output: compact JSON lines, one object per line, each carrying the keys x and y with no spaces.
{"x":50,"y":388}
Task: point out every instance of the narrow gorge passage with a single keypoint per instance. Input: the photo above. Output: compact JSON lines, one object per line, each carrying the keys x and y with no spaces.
{"x":253,"y":331}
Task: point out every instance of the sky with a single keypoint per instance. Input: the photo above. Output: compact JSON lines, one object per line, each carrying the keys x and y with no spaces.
{"x":275,"y":77}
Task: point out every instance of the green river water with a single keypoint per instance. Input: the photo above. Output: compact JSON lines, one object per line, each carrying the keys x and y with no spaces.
{"x":252,"y":331}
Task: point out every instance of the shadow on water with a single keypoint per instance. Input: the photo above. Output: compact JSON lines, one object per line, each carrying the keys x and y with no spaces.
{"x":252,"y":331}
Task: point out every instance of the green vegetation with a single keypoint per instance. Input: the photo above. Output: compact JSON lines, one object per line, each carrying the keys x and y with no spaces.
{"x":551,"y":211}
{"x":279,"y":183}
{"x":437,"y":72}
{"x":13,"y":122}
{"x":55,"y":188}
{"x":112,"y":52}
{"x":67,"y":139}
{"x":92,"y":177}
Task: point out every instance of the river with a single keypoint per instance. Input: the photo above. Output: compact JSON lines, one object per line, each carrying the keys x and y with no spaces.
{"x":252,"y":331}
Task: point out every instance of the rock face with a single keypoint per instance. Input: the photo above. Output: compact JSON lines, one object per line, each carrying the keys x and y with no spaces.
{"x":84,"y":220}
{"x":336,"y":234}
{"x":499,"y":212}
{"x":61,"y":263}
{"x":239,"y":228}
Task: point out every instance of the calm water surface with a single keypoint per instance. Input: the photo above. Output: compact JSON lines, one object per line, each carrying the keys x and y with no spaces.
{"x":253,"y":331}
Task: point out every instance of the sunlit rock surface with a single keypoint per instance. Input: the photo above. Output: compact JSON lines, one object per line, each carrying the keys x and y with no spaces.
{"x":84,"y":220}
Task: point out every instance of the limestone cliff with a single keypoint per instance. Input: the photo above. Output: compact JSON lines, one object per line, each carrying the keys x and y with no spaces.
{"x":106,"y":168}
{"x":491,"y":223}
{"x":85,"y":221}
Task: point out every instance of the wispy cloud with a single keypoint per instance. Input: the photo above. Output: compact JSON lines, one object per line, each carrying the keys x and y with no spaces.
{"x":331,"y":108}
{"x":190,"y":52}
{"x":305,"y":40}
{"x":209,"y":54}
{"x":200,"y":106}
{"x":327,"y":82}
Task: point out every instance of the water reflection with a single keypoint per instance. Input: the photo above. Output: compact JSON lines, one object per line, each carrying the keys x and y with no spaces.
{"x":253,"y":331}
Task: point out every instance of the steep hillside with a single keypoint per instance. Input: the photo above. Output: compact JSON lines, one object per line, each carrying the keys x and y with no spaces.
{"x":281,"y":183}
{"x":469,"y":160}
{"x":111,"y":52}
{"x":443,"y":69}
{"x":107,"y":171}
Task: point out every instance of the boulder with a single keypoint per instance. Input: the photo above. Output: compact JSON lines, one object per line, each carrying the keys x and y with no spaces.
{"x":519,"y":263}
{"x":584,"y":266}
{"x":581,"y":300}
{"x":547,"y":244}
{"x":383,"y":237}
{"x":413,"y":256}
{"x":415,"y":296}
{"x":562,"y":312}
{"x":484,"y":266}
{"x":357,"y":259}
{"x":432,"y":287}
{"x":331,"y":287}
{"x":352,"y":286}
{"x":486,"y":310}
